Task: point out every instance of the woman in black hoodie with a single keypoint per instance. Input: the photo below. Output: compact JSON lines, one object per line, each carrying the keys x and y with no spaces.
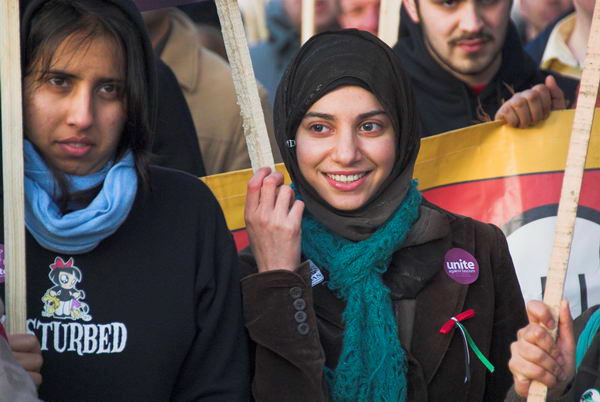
{"x":132,"y":274}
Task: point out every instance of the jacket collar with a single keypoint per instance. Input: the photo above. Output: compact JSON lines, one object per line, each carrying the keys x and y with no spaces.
{"x":182,"y":52}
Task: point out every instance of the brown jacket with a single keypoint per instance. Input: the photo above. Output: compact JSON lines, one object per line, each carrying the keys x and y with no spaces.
{"x":207,"y":85}
{"x":290,"y":357}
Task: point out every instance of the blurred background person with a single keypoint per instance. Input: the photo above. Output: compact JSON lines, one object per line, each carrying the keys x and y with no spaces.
{"x":206,"y":81}
{"x":206,"y":19}
{"x":360,"y":14}
{"x":284,"y":21}
{"x":562,"y":46}
{"x":535,"y":15}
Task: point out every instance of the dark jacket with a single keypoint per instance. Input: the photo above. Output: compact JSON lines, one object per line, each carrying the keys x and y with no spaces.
{"x":292,"y":350}
{"x":588,"y":374}
{"x":446,"y":103}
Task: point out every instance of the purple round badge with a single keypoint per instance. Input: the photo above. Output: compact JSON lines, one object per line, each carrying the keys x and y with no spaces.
{"x":461,"y":266}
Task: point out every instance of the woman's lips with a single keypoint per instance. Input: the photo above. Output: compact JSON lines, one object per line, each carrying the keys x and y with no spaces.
{"x":75,"y":147}
{"x":347,"y":181}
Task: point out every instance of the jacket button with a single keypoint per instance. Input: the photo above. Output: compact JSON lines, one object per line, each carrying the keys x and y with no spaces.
{"x":300,"y":316}
{"x":299,"y":304}
{"x":295,"y":292}
{"x":303,"y":328}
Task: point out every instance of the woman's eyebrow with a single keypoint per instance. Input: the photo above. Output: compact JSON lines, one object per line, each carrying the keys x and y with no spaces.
{"x":102,"y":80}
{"x":370,"y":114}
{"x":61,"y":73}
{"x":324,"y":116}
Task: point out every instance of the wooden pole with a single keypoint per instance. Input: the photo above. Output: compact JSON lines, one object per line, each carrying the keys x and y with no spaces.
{"x":255,"y":130}
{"x":308,"y":20}
{"x":569,"y":197}
{"x":12,"y":167}
{"x":389,"y":21}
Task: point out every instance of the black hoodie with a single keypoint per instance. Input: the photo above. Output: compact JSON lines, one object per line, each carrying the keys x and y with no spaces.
{"x":446,"y":103}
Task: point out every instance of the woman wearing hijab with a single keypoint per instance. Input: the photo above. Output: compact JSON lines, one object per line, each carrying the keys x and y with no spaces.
{"x":132,"y":275}
{"x":352,"y":273}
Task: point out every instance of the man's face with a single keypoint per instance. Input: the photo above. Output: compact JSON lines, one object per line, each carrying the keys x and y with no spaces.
{"x":360,"y":14}
{"x":464,"y":36}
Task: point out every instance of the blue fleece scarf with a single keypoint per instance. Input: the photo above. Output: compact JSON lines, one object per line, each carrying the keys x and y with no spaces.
{"x":82,"y":230}
{"x":372,"y":364}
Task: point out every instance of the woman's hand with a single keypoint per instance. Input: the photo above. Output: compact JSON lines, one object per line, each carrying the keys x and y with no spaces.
{"x":273,"y":221}
{"x":27,"y":352}
{"x":536,"y":356}
{"x":531,"y":106}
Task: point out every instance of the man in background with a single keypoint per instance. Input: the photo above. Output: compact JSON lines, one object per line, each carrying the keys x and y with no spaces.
{"x":467,"y":65}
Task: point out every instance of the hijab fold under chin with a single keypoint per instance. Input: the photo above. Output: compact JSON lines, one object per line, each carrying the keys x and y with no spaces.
{"x":328,"y":61}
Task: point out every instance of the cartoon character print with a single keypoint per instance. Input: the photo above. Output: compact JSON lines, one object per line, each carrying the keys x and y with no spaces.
{"x":64,"y":300}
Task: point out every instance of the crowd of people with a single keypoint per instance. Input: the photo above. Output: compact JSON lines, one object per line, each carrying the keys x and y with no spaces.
{"x":354,"y":287}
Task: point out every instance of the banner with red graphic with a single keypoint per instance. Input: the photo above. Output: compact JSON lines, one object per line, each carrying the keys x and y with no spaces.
{"x":505,"y":176}
{"x":512,"y":178}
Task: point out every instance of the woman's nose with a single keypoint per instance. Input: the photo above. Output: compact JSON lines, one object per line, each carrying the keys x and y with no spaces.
{"x":346,"y":150}
{"x":81,"y":109}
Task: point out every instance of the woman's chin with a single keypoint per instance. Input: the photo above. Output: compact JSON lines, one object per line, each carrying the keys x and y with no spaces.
{"x":346,"y":202}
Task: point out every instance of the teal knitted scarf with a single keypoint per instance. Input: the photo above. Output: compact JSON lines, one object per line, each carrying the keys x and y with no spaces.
{"x":372,"y":364}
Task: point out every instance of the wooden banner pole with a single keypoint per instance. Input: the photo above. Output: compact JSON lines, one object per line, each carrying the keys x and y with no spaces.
{"x":12,"y":167}
{"x":255,"y":130}
{"x":389,"y":21}
{"x":569,"y":197}
{"x":308,"y":20}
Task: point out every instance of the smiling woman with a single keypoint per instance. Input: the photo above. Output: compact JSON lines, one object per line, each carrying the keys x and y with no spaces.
{"x":346,"y":150}
{"x":351,"y":274}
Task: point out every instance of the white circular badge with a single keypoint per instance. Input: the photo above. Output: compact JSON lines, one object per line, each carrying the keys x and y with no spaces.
{"x":590,"y":395}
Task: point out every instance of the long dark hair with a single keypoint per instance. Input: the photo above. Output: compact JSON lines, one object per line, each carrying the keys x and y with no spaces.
{"x":56,"y":21}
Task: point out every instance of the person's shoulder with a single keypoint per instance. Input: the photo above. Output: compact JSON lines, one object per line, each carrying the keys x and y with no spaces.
{"x":215,"y":72}
{"x":581,"y":321}
{"x":460,"y":223}
{"x":173,"y":181}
